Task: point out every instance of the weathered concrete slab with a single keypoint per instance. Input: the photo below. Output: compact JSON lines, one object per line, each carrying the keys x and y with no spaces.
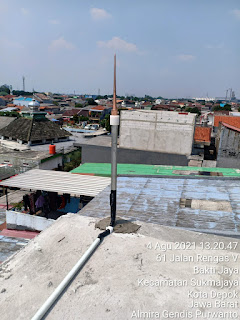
{"x":121,"y":225}
{"x":159,"y":270}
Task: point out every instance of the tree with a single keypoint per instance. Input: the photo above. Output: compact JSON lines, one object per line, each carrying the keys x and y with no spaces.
{"x":193,"y":110}
{"x":22,"y":93}
{"x":91,"y":102}
{"x":105,"y":123}
{"x":75,"y":161}
{"x":239,"y":109}
{"x":5,"y":88}
{"x":75,"y":118}
{"x":78,"y":105}
{"x":10,"y":114}
{"x":227,"y":107}
{"x":82,"y":118}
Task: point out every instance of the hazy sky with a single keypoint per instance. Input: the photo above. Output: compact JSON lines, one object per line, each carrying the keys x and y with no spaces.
{"x":172,"y":48}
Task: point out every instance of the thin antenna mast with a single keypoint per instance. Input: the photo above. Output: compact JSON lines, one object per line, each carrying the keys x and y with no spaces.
{"x":114,"y":122}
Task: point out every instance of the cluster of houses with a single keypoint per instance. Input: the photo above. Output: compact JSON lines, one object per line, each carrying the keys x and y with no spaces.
{"x":213,"y":137}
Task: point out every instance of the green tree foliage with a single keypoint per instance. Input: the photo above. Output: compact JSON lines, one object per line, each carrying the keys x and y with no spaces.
{"x":75,"y":161}
{"x":78,"y":105}
{"x":55,"y":103}
{"x":227,"y":107}
{"x":105,"y":123}
{"x":82,"y":118}
{"x":10,"y":114}
{"x":148,"y":98}
{"x":193,"y":110}
{"x":91,"y":102}
{"x":75,"y":118}
{"x":5,"y":88}
{"x":22,"y":93}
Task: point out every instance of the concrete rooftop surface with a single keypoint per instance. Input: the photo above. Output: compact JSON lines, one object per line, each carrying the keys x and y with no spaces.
{"x":201,"y":204}
{"x":124,"y":276}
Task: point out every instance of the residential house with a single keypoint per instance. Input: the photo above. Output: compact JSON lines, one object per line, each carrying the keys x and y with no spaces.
{"x":97,"y":113}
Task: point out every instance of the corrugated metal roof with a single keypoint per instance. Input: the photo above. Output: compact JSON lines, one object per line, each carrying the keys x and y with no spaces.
{"x":58,"y":181}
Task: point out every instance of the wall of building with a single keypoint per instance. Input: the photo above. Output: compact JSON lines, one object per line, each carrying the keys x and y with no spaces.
{"x":52,"y":163}
{"x":161,"y":131}
{"x":19,"y":164}
{"x":23,"y":221}
{"x":101,"y":154}
{"x":228,"y":148}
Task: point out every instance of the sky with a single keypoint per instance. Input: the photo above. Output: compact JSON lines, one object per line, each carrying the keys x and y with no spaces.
{"x":168,"y":48}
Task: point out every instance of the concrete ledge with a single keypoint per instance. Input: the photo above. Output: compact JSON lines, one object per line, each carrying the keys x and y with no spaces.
{"x":123,"y":276}
{"x":23,"y":221}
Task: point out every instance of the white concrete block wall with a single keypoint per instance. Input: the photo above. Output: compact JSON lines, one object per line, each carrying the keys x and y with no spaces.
{"x":51,"y":163}
{"x":161,"y":131}
{"x":28,"y":221}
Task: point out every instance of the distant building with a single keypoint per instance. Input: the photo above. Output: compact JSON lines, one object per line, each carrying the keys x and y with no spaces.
{"x":33,"y":128}
{"x":98,"y":113}
{"x":22,"y":101}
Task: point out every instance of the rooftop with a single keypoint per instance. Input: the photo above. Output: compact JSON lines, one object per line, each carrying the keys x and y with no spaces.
{"x":108,"y":285}
{"x":202,"y":134}
{"x":202,"y":205}
{"x":233,"y":121}
{"x":31,"y":130}
{"x":4,"y":121}
{"x":104,"y":169}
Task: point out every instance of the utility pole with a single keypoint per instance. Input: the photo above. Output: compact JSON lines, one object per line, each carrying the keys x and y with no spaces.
{"x":114,"y":122}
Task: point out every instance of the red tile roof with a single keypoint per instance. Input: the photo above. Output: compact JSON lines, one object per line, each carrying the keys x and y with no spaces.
{"x":98,"y":108}
{"x":202,"y":134}
{"x":231,"y":127}
{"x":232,"y":121}
{"x":70,"y":113}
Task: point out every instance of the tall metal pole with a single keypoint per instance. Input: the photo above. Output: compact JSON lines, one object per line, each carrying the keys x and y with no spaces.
{"x":114,"y":122}
{"x":6,"y":190}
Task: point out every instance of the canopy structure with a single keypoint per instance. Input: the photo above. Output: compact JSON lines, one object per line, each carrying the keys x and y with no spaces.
{"x":58,"y":181}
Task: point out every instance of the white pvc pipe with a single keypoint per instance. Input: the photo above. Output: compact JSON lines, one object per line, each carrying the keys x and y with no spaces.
{"x":50,"y":301}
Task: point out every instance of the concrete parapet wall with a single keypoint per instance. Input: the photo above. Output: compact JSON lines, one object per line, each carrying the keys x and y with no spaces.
{"x":23,"y":221}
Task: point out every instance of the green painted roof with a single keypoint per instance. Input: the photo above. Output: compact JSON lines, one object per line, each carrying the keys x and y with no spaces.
{"x":104,"y":169}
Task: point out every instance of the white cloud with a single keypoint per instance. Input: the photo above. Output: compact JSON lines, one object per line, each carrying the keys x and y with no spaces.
{"x":61,"y":43}
{"x":54,"y":21}
{"x":99,"y":14}
{"x":236,"y":13}
{"x":24,"y":11}
{"x":118,"y":44}
{"x":186,"y":57}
